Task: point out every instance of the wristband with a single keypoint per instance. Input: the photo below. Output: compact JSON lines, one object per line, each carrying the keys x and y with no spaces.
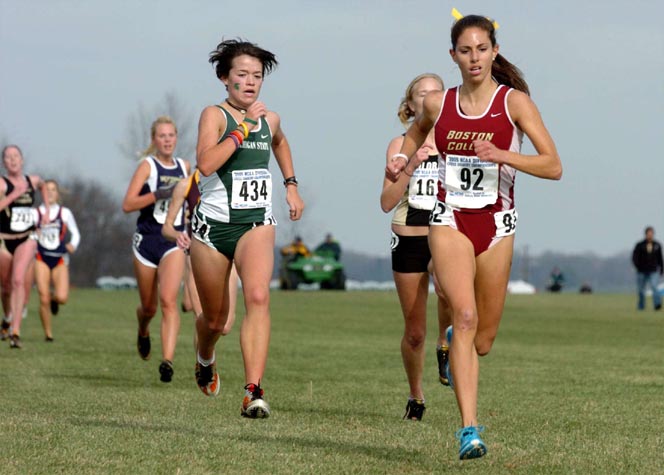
{"x":400,"y":155}
{"x":406,"y":173}
{"x":291,"y":180}
{"x":235,"y":140}
{"x":244,"y":127}
{"x":250,"y":121}
{"x":238,"y":134}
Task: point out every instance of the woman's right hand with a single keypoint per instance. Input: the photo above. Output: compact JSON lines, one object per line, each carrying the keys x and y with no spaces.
{"x":420,"y":156}
{"x":254,"y":112}
{"x":183,"y":241}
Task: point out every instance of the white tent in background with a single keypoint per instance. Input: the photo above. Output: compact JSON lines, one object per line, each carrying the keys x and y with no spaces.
{"x":520,"y":287}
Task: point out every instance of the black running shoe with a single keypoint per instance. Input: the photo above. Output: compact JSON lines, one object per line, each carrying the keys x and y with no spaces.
{"x":207,"y":379}
{"x":15,"y":342}
{"x":48,"y":339}
{"x":144,"y":346}
{"x":443,"y":356}
{"x":166,"y":371}
{"x":55,"y":307}
{"x":4,"y":330}
{"x":414,"y":410}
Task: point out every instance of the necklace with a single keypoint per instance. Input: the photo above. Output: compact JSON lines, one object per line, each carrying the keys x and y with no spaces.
{"x":239,"y":109}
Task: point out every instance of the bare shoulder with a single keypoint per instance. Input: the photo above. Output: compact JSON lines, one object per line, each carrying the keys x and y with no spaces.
{"x":35,"y":180}
{"x":520,"y":103}
{"x":433,"y":102}
{"x":273,"y":119}
{"x":212,"y":113}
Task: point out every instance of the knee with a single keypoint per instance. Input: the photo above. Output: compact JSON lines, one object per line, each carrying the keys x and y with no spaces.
{"x":465,"y":320}
{"x":414,"y":339}
{"x":168,"y":306}
{"x":147,"y":310}
{"x":44,"y":299}
{"x":18,"y":282}
{"x":257,"y":297}
{"x":215,"y":325}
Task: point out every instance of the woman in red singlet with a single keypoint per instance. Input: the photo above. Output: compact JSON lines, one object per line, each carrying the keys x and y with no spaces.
{"x":478,"y":128}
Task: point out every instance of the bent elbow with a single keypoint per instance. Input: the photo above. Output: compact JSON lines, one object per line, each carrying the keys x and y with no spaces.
{"x":557,"y":173}
{"x":204,"y":170}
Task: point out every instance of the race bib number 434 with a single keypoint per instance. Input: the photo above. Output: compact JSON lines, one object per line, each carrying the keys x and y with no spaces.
{"x":470,"y":182}
{"x":251,"y":189}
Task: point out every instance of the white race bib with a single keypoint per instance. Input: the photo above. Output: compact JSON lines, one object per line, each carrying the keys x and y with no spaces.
{"x":506,"y":222}
{"x":251,"y":189}
{"x":422,"y":188}
{"x":22,"y":219}
{"x":49,"y":237}
{"x":442,"y":215}
{"x":470,"y":182}
{"x":161,"y":210}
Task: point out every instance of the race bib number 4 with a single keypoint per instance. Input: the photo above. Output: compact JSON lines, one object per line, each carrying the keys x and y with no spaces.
{"x":161,"y":211}
{"x":251,"y":189}
{"x":422,"y":188}
{"x":22,"y":219}
{"x":470,"y":182}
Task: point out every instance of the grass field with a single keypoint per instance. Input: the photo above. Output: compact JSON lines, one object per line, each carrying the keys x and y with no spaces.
{"x":574,"y":384}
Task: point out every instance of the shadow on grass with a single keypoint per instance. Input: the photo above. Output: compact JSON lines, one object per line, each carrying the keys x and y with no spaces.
{"x":325,"y":444}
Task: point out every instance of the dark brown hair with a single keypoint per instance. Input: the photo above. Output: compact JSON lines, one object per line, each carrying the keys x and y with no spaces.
{"x":502,"y":70}
{"x":222,"y":57}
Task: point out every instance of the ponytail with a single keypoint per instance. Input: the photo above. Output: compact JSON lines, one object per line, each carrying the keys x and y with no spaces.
{"x":502,"y":70}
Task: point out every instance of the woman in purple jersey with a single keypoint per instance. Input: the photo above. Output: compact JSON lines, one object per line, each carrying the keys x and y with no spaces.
{"x":472,"y":251}
{"x":158,"y":263}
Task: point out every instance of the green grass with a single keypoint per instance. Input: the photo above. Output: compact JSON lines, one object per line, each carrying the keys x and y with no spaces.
{"x":574,"y":384}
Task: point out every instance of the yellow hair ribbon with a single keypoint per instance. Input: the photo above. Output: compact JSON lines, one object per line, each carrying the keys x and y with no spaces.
{"x":458,"y":16}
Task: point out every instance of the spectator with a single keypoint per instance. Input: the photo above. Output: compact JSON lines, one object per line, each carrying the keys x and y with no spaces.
{"x":329,"y":247}
{"x":647,"y":258}
{"x":556,"y":280}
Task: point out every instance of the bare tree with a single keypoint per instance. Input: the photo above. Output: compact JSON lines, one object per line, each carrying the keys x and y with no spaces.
{"x":137,"y":137}
{"x":106,"y":231}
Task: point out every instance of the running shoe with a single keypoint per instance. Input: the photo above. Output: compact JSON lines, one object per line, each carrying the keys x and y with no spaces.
{"x":443,"y":355}
{"x":448,"y":372}
{"x":414,"y":409}
{"x":4,"y":330}
{"x":15,"y":342}
{"x":207,"y":379}
{"x":166,"y":371}
{"x":253,"y":405}
{"x":144,"y":346}
{"x":471,"y":445}
{"x":55,"y":307}
{"x":48,"y":339}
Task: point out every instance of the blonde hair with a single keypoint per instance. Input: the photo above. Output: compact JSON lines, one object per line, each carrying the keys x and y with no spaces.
{"x":405,"y":113}
{"x":163,"y":119}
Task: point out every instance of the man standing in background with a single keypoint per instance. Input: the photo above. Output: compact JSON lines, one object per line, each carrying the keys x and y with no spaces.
{"x":647,"y":258}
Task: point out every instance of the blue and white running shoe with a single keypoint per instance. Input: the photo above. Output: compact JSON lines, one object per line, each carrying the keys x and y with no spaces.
{"x":471,"y":445}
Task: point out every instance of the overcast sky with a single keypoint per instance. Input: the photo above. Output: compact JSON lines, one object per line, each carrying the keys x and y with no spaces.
{"x":73,"y":73}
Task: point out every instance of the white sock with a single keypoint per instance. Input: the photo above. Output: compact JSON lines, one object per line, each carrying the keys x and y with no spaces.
{"x":205,"y":362}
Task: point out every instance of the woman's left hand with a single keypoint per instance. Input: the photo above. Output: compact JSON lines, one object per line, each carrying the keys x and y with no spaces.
{"x":295,"y":203}
{"x":488,"y":152}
